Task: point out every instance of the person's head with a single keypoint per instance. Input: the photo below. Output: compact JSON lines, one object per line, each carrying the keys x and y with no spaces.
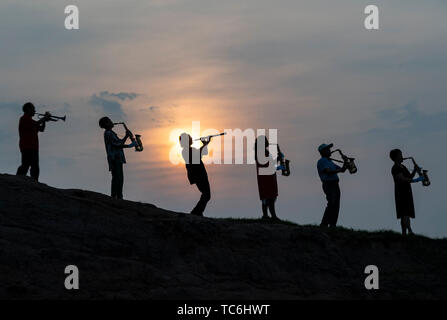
{"x":261,"y":141}
{"x":185,"y":140}
{"x":29,"y":109}
{"x":396,"y":155}
{"x":325,"y":150}
{"x":105,"y":123}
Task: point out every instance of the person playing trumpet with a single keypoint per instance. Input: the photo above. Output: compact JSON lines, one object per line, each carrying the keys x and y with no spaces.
{"x":196,"y":171}
{"x":402,"y":190}
{"x":115,"y":155}
{"x":29,"y":140}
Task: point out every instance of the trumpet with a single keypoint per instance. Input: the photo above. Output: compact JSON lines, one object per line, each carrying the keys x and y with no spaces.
{"x":210,"y":136}
{"x":350,"y":164}
{"x":51,"y":117}
{"x":136,"y":139}
{"x":422,"y":173}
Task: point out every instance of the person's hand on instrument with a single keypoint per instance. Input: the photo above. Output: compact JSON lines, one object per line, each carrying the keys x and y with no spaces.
{"x":280,"y":167}
{"x":206,"y":141}
{"x":131,"y":145}
{"x":418,"y":179}
{"x":345,"y":164}
{"x":47,"y":116}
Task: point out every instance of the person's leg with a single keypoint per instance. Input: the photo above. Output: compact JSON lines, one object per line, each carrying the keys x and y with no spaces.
{"x":336,"y":194}
{"x":407,"y":225}
{"x":26,"y":163}
{"x":264,"y":209}
{"x":271,"y":205}
{"x":114,"y":185}
{"x":120,"y":180}
{"x":34,"y":163}
{"x":403,"y":226}
{"x":326,"y":215}
{"x":204,"y":188}
{"x":410,"y":231}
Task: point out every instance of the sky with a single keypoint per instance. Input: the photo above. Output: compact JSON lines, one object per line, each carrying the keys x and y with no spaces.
{"x":306,"y":68}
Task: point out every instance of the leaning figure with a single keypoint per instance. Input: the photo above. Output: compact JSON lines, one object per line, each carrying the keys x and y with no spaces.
{"x":196,"y":171}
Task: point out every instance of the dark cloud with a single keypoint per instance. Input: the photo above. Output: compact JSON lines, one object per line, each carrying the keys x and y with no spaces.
{"x":158,"y":118}
{"x":413,"y":120}
{"x":111,"y":102}
{"x":120,"y":96}
{"x":407,"y":121}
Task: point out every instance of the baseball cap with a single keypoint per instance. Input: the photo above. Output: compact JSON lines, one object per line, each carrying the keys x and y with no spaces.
{"x":325,"y":146}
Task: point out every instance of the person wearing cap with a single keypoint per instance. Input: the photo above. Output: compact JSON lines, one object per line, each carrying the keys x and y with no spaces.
{"x":328,"y":172}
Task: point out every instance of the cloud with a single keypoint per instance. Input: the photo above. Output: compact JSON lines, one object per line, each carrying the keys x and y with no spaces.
{"x":120,"y":96}
{"x":408,"y":121}
{"x":414,"y":120}
{"x":158,"y":116}
{"x":111,"y":102}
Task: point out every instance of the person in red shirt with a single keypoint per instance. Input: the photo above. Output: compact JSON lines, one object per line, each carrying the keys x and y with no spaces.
{"x":266,"y":176}
{"x":29,"y":140}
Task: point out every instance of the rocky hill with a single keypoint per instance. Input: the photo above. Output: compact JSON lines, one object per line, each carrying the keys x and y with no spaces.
{"x":133,"y":250}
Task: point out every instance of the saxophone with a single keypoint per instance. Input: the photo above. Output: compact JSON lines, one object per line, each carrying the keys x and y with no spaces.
{"x":285,"y":163}
{"x":350,"y":164}
{"x":422,"y":173}
{"x":136,"y":139}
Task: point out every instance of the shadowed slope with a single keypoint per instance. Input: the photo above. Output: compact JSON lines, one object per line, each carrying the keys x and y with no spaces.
{"x":126,"y":249}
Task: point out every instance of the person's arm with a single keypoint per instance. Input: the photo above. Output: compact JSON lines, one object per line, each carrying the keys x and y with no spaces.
{"x":414,"y":172}
{"x":32,"y":125}
{"x":126,"y":136}
{"x":204,"y":144}
{"x":329,"y":171}
{"x":402,"y":178}
{"x":130,"y":145}
{"x":42,"y":122}
{"x":118,"y":143}
{"x":41,"y":126}
{"x":335,"y":171}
